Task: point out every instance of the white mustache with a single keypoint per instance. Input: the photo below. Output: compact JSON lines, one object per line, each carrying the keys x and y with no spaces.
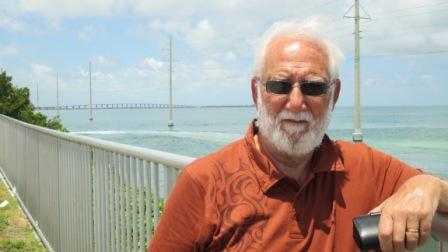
{"x":301,"y":116}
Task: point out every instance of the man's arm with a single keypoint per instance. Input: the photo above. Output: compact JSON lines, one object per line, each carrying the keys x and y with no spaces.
{"x":406,"y":216}
{"x":443,"y":202}
{"x":182,"y":217}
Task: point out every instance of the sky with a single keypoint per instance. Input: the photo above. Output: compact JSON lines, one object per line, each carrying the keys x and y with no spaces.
{"x":404,"y":48}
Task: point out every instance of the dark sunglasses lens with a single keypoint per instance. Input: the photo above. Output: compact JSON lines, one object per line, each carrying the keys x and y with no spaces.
{"x":278,"y":87}
{"x":314,"y":88}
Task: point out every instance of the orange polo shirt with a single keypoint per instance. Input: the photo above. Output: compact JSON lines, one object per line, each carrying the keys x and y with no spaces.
{"x":237,"y":200}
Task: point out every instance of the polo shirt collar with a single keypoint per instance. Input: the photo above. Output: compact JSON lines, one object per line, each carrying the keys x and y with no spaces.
{"x":326,"y":158}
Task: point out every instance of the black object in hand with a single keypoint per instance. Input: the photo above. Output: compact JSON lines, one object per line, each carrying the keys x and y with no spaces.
{"x":365,"y":231}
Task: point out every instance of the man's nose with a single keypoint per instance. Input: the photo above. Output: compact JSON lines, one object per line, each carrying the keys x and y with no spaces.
{"x":296,"y":99}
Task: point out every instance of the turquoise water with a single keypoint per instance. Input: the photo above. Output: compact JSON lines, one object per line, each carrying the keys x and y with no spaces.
{"x":416,"y":135}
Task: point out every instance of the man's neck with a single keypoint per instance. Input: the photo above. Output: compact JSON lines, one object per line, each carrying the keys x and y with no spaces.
{"x":295,"y":167}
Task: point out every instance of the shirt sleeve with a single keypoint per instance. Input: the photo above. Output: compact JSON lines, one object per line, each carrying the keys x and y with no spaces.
{"x":391,"y":173}
{"x":182,"y":217}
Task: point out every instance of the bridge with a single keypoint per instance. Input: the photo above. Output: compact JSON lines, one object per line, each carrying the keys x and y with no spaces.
{"x":112,"y":106}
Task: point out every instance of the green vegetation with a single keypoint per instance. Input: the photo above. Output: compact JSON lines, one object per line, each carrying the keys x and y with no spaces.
{"x":152,"y":198}
{"x":15,"y":102}
{"x":16,"y":234}
{"x":161,"y":208}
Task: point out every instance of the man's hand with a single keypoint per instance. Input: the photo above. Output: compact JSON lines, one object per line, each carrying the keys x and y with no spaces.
{"x":406,"y":215}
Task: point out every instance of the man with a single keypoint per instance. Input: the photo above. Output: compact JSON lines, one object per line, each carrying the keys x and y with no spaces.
{"x":286,"y":186}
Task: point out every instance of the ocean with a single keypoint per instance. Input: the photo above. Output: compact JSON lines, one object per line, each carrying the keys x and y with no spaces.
{"x":416,"y":135}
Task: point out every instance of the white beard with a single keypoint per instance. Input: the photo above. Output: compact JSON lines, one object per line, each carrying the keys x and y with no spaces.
{"x":293,"y":139}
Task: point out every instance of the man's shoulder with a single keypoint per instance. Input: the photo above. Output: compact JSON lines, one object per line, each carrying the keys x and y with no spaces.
{"x":359,"y":152}
{"x":361,"y":155}
{"x":207,"y":165}
{"x":349,"y":148}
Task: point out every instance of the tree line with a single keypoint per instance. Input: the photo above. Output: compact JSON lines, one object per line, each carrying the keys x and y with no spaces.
{"x":15,"y":102}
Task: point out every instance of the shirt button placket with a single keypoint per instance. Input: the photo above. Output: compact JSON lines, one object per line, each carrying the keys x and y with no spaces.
{"x":294,"y":228}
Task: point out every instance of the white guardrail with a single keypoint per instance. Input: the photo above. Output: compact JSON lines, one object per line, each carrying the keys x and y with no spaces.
{"x":84,"y":194}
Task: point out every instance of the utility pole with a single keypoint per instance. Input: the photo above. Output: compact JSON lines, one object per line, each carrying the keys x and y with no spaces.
{"x":170,"y":121}
{"x":357,"y":134}
{"x":37,"y":95}
{"x":57,"y":94}
{"x":90,"y":88}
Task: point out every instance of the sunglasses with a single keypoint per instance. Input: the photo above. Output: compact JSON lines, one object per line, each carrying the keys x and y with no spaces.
{"x":284,"y":87}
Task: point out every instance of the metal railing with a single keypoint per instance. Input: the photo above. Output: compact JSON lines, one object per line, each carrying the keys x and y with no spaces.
{"x":84,"y":194}
{"x":439,"y":230}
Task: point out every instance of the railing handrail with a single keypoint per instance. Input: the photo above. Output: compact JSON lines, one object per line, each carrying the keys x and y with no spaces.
{"x":439,"y":226}
{"x":168,"y":159}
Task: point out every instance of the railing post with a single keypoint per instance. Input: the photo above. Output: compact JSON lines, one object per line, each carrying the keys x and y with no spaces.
{"x":92,"y":199}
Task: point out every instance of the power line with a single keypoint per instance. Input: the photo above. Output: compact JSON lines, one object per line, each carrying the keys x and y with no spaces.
{"x":214,"y":79}
{"x":90,"y":92}
{"x":407,"y":54}
{"x":37,"y":94}
{"x":411,"y":14}
{"x":211,"y":67}
{"x":400,"y":33}
{"x":57,"y":94}
{"x":404,"y":54}
{"x":412,"y":8}
{"x":413,"y":27}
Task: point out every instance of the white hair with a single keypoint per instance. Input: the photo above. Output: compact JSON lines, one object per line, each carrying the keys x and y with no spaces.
{"x":311,"y":28}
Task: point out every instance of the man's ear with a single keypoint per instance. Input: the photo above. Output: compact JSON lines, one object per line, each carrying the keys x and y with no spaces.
{"x":337,"y":90}
{"x":254,"y":83}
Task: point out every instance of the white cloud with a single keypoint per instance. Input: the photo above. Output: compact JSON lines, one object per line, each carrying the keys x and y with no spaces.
{"x":11,"y":24}
{"x":404,"y":27}
{"x":172,"y":8}
{"x":440,"y":39}
{"x":413,"y":63}
{"x":140,"y":82}
{"x":102,"y":76}
{"x":170,"y":26}
{"x":427,"y":79}
{"x":370,"y":82}
{"x":88,"y":33}
{"x":152,"y":64}
{"x":8,"y":50}
{"x":70,"y":8}
{"x":201,"y":35}
{"x":102,"y":61}
{"x":230,"y":55}
{"x":54,"y":24}
{"x":41,"y":69}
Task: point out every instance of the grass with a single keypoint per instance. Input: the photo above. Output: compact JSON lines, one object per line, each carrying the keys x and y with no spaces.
{"x":16,"y":234}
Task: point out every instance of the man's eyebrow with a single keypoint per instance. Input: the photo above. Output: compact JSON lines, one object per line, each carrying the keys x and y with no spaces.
{"x":314,"y":78}
{"x":278,"y":76}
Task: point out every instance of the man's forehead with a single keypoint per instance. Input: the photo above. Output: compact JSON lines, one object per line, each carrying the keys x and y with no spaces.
{"x":293,"y":47}
{"x":295,"y":52}
{"x":293,"y":44}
